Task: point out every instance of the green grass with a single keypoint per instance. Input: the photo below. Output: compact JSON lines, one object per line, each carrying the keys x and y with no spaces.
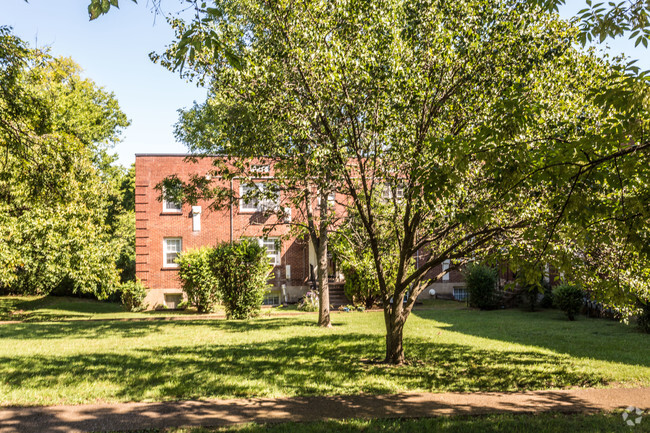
{"x":539,"y":423}
{"x":61,"y":308}
{"x":451,"y":349}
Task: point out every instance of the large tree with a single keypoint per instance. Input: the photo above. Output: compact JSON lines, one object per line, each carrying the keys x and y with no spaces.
{"x":456,"y":129}
{"x":55,"y":128}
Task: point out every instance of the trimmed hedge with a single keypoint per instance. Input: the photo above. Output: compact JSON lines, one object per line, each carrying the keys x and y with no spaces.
{"x":242,"y":269}
{"x":569,"y":299}
{"x":481,"y":284}
{"x":198,"y":281}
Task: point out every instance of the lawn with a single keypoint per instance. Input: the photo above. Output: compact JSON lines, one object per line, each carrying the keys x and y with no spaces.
{"x":59,"y":308}
{"x":450,"y":347}
{"x":539,"y":423}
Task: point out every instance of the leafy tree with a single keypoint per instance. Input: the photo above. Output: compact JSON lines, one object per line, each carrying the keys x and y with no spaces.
{"x":410,"y":104}
{"x":54,"y":128}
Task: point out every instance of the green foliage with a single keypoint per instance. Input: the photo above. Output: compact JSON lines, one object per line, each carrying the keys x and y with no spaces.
{"x":568,"y":298}
{"x":481,"y":283}
{"x":547,"y":299}
{"x":361,"y":286}
{"x":54,"y":181}
{"x":492,"y":146}
{"x":643,"y":318}
{"x":133,"y":294}
{"x":242,"y":269}
{"x":198,"y":279}
{"x":309,"y":302}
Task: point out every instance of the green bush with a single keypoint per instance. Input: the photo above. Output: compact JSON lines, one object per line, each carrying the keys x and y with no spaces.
{"x":361,"y":286}
{"x":242,"y":269}
{"x":133,"y":294}
{"x":547,"y":300}
{"x":481,"y":283}
{"x":198,"y":280}
{"x":569,"y":299}
{"x":643,"y":320}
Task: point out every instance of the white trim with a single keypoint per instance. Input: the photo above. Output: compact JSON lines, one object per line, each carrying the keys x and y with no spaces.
{"x":165,"y":251}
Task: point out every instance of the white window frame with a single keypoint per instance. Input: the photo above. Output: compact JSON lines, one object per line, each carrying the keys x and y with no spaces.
{"x":170,"y":206}
{"x":166,"y":251}
{"x":275,"y":258}
{"x":248,"y":207}
{"x":445,"y":267}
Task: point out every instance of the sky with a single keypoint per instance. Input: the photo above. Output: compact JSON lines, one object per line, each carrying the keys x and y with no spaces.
{"x":113,"y":51}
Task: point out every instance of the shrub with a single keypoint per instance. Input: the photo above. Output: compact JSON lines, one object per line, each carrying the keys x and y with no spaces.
{"x":569,"y":299}
{"x":643,"y":319}
{"x":198,"y":280}
{"x":481,"y":283}
{"x":242,"y":269}
{"x":309,"y":302}
{"x":547,"y":300}
{"x":133,"y":294}
{"x":361,"y":285}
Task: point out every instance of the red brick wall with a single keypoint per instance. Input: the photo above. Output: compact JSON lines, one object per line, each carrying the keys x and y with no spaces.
{"x":153,"y":225}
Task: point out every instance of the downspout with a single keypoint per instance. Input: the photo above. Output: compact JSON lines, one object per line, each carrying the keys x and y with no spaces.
{"x":231,"y":204}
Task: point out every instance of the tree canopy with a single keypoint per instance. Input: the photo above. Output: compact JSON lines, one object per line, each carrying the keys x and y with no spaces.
{"x":55,"y":130}
{"x":456,"y":130}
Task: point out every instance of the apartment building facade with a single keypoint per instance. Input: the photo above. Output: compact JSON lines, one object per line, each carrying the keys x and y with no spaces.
{"x":165,"y":229}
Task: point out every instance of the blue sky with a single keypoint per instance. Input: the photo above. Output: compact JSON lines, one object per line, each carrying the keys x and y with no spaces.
{"x":113,"y":51}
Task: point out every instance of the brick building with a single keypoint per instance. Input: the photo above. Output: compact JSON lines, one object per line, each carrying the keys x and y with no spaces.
{"x":164,"y":229}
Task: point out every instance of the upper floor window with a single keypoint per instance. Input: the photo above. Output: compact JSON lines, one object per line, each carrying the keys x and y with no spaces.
{"x":257,"y":198}
{"x":170,"y":205}
{"x":172,"y":247}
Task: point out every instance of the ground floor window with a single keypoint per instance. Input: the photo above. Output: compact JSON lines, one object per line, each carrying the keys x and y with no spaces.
{"x":172,"y":247}
{"x":460,"y":293}
{"x":272,"y":297}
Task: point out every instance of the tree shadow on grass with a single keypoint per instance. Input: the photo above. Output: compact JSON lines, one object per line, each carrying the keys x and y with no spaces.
{"x":134,"y":329}
{"x":584,"y":338}
{"x":296,"y":366}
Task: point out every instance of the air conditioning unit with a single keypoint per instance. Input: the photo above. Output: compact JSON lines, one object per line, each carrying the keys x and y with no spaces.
{"x":287,"y":215}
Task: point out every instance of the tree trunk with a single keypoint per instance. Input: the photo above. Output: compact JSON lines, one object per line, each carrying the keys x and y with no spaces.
{"x":395,"y":317}
{"x":394,"y":346}
{"x":323,"y":283}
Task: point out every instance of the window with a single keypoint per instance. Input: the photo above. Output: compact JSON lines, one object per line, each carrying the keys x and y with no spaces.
{"x":445,"y":267}
{"x":331,"y":198}
{"x":171,"y":206}
{"x":272,"y":246}
{"x":171,"y":249}
{"x":460,"y":294}
{"x":253,"y":204}
{"x":272,"y":297}
{"x":388,"y":190}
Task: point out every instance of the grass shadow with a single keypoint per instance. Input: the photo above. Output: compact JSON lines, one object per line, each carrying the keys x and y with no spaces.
{"x":304,"y":365}
{"x":599,"y":339}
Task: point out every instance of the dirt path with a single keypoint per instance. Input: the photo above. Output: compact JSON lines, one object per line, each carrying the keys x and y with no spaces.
{"x":134,"y":416}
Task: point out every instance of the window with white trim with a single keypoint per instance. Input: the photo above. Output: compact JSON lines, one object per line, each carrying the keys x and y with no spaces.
{"x":272,"y":246}
{"x":169,"y":205}
{"x":248,"y":203}
{"x":445,"y":267}
{"x":172,"y":247}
